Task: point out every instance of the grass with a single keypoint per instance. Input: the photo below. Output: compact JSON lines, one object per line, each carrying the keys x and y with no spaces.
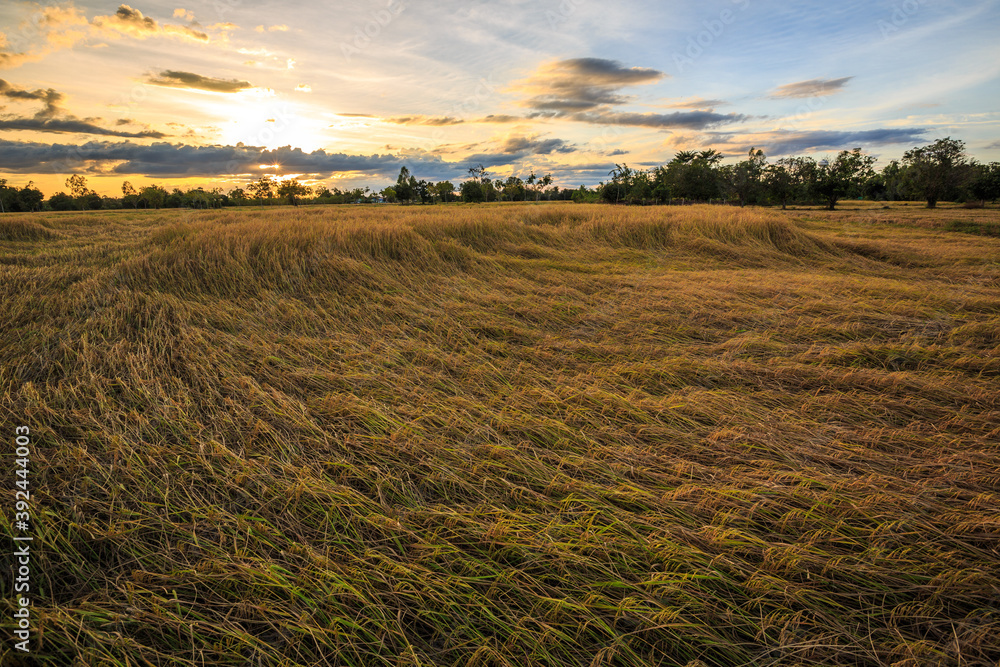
{"x":507,"y":435}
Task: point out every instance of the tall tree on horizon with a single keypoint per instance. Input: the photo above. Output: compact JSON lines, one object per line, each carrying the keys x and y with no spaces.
{"x":938,"y":169}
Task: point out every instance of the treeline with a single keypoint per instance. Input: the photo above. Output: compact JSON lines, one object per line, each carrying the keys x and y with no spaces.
{"x":937,"y":172}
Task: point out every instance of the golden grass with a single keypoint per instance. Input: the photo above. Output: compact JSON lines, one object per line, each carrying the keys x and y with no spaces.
{"x":507,"y":435}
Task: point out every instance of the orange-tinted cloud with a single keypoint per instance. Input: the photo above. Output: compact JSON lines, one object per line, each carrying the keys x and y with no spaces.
{"x":51,"y":99}
{"x":131,"y":22}
{"x":57,"y":27}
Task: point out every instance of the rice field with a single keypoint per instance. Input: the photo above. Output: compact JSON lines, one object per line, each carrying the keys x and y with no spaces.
{"x":506,"y":435}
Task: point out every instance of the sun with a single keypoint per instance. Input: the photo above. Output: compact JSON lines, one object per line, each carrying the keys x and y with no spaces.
{"x":256,"y":118}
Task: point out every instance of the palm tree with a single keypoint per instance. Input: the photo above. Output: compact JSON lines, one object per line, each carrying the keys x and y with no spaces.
{"x":685,"y":157}
{"x":711,"y":156}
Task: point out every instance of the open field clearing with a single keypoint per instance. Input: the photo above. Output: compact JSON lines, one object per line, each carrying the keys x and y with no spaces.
{"x":507,"y":435}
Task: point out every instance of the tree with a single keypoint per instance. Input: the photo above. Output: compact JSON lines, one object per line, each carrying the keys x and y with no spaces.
{"x":640,"y":188}
{"x":237,"y":196}
{"x":444,"y":190}
{"x":61,"y":201}
{"x":129,"y":195}
{"x":262,"y":188}
{"x":690,"y":175}
{"x":4,"y":195}
{"x":711,"y":157}
{"x":850,"y":169}
{"x":661,"y":189}
{"x":744,"y":178}
{"x":292,"y":189}
{"x":529,"y":182}
{"x":480,"y":187}
{"x":894,"y":181}
{"x":984,"y":183}
{"x":779,"y":183}
{"x":472,"y":191}
{"x":584,"y":195}
{"x":29,"y":198}
{"x":218,"y":198}
{"x":480,"y":174}
{"x":405,"y":190}
{"x":936,"y":170}
{"x":685,"y":157}
{"x":422,"y":189}
{"x":153,"y":195}
{"x":621,"y":183}
{"x":92,"y":201}
{"x":543,"y":183}
{"x":78,"y":189}
{"x":513,"y":189}
{"x":197,"y":198}
{"x":490,"y":192}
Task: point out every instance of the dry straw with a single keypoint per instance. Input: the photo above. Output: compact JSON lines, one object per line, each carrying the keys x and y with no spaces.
{"x":511,"y":435}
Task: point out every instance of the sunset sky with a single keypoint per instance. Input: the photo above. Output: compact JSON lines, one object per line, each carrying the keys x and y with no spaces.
{"x":218,"y":92}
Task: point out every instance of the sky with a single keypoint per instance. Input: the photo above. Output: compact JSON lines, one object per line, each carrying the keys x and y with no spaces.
{"x":217,"y":93}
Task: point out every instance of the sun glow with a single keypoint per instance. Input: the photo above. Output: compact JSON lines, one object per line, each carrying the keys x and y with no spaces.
{"x":255,"y":118}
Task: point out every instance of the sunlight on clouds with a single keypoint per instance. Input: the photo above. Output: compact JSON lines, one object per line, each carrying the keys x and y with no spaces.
{"x":559,"y":103}
{"x":259,"y":118}
{"x":350,"y":121}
